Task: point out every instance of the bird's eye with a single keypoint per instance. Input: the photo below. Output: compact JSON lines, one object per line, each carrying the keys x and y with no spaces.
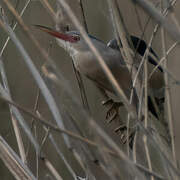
{"x":76,"y":38}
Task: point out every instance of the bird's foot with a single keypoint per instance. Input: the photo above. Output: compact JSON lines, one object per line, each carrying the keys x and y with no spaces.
{"x":113,"y":110}
{"x":126,"y":136}
{"x":122,"y":129}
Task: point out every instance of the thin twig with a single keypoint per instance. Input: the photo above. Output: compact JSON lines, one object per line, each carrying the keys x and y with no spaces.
{"x":51,"y":168}
{"x":37,"y":153}
{"x":115,"y":29}
{"x":50,"y":10}
{"x":40,"y":82}
{"x":44,"y":140}
{"x":32,"y":120}
{"x":132,"y":91}
{"x":134,"y":147}
{"x":13,"y":162}
{"x":168,"y":100}
{"x":168,"y":25}
{"x":20,"y":118}
{"x":146,"y":114}
{"x":82,"y":89}
{"x":53,"y":127}
{"x":162,"y":60}
{"x":58,"y":150}
{"x":14,"y":27}
{"x":165,"y":12}
{"x":77,"y":74}
{"x":83,"y":15}
{"x":13,"y":117}
{"x":128,"y":58}
{"x":118,"y":151}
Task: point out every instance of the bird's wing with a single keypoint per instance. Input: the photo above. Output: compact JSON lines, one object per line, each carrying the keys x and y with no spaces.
{"x":141,"y":47}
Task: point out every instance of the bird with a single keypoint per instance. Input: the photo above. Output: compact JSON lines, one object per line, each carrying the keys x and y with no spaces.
{"x":140,"y":46}
{"x":85,"y":61}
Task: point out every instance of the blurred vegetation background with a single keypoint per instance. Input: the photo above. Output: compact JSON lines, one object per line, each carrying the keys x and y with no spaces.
{"x":24,"y":90}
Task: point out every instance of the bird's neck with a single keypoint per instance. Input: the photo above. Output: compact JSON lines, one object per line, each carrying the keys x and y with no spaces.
{"x":72,"y":51}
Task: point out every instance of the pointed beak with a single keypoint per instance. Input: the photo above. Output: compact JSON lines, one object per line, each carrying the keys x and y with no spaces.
{"x":62,"y":36}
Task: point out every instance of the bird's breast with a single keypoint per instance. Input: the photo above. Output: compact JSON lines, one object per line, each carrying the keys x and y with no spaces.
{"x":87,"y":64}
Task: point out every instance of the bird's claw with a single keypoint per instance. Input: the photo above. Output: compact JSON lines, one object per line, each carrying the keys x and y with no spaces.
{"x":121,"y":128}
{"x":124,"y":136}
{"x":113,"y":109}
{"x":111,"y":116}
{"x":123,"y":133}
{"x":112,"y":113}
{"x":129,"y":138}
{"x":107,"y":102}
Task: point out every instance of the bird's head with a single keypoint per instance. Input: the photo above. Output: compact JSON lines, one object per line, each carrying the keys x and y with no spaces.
{"x":71,"y":41}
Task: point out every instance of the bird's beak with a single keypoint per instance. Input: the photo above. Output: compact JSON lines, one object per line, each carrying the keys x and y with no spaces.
{"x":62,"y":36}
